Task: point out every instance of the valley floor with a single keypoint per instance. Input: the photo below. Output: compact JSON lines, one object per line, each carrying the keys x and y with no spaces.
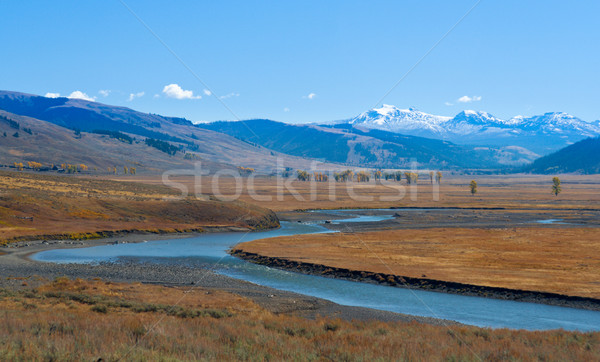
{"x":187,"y":313}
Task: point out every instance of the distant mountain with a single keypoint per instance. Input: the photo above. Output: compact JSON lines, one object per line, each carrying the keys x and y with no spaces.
{"x":63,"y":130}
{"x":581,"y":157}
{"x":540,"y":134}
{"x":346,"y":144}
{"x":406,"y":121}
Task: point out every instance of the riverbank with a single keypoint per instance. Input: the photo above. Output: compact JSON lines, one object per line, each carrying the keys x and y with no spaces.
{"x":524,"y":255}
{"x":18,"y":271}
{"x":421,"y":283}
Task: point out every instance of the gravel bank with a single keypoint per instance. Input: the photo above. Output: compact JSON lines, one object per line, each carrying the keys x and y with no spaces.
{"x":15,"y":265}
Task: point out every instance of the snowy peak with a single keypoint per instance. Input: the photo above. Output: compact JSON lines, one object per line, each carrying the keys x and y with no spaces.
{"x":541,"y":133}
{"x":560,"y":122}
{"x":477,"y":118}
{"x":391,"y":118}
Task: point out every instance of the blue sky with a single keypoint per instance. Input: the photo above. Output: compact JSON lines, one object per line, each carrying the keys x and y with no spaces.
{"x":307,"y":61}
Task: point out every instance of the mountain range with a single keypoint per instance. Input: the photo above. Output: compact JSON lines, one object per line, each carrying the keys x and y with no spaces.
{"x":350,"y":145}
{"x":540,"y":134}
{"x":64,"y":130}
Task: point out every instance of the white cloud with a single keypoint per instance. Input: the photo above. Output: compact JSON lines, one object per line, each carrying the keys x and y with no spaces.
{"x":175,"y":91}
{"x":449,"y":104}
{"x":157,"y":96}
{"x":207,"y":92}
{"x":52,"y":95}
{"x":80,"y":95}
{"x":104,"y":92}
{"x":229,"y":95}
{"x":286,"y":109}
{"x":310,"y":96}
{"x":133,"y":96}
{"x":467,"y":99}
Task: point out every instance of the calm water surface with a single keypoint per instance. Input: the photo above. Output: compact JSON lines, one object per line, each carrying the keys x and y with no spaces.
{"x":210,"y":250}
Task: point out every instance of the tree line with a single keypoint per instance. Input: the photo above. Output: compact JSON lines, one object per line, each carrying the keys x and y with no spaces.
{"x":66,"y":167}
{"x":364,"y":176}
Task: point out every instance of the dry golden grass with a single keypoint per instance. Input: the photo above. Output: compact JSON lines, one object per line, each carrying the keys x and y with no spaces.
{"x":88,"y":320}
{"x":565,"y":261}
{"x":512,"y":192}
{"x":33,"y":205}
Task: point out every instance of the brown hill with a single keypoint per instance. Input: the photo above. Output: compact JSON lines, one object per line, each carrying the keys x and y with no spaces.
{"x":62,"y":130}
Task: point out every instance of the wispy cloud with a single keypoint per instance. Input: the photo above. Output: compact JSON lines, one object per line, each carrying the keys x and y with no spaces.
{"x":467,"y":99}
{"x":207,"y":92}
{"x":104,"y":92}
{"x":286,"y":109}
{"x":52,"y":95}
{"x":229,"y":95}
{"x":449,"y":104}
{"x":310,"y":96}
{"x":80,"y":95}
{"x":175,"y":91}
{"x":133,"y":96}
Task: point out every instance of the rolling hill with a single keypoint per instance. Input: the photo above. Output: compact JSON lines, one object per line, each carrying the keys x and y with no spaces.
{"x":581,"y":157}
{"x":73,"y":131}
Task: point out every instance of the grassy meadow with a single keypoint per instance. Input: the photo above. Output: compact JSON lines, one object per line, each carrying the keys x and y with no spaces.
{"x":505,"y":191}
{"x":34,"y":206}
{"x":89,"y":320}
{"x":556,"y":260}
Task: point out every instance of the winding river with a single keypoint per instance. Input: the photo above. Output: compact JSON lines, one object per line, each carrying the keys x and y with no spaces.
{"x":210,"y":250}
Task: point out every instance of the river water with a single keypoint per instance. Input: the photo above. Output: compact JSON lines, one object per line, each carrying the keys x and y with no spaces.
{"x":210,"y":250}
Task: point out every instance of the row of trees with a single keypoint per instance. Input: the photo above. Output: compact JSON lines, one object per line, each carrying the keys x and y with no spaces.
{"x":321,"y":177}
{"x":347,"y":175}
{"x":67,"y":167}
{"x":74,"y":168}
{"x":126,"y":170}
{"x":364,"y":176}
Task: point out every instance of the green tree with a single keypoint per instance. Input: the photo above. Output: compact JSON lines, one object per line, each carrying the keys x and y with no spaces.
{"x":556,"y":188}
{"x":473,"y":186}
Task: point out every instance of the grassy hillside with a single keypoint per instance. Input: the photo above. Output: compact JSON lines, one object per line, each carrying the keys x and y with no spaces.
{"x":581,"y":157}
{"x":34,"y":206}
{"x":46,"y":143}
{"x":66,"y":130}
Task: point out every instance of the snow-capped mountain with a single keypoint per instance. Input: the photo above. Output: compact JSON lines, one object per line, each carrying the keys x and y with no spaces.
{"x":557,"y":122}
{"x":541,"y":134}
{"x":469,"y":122}
{"x":390,"y":118}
